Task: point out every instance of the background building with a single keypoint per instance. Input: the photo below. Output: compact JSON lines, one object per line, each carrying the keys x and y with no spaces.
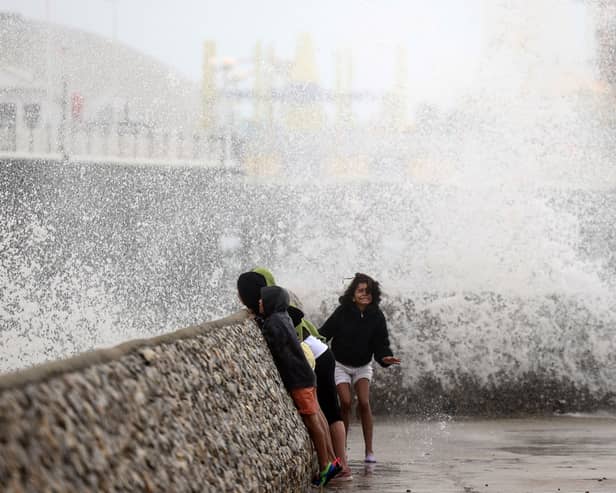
{"x":64,"y":90}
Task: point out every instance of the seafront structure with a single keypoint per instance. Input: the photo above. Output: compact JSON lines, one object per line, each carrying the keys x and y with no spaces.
{"x":71,"y":93}
{"x":262,"y":115}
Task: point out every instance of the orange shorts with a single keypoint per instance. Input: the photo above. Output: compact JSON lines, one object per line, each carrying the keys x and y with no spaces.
{"x":305,"y":400}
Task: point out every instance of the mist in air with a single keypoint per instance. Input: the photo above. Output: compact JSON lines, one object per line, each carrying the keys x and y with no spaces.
{"x":460,"y":153}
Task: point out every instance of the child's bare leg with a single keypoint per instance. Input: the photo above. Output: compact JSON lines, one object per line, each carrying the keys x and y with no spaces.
{"x":328,"y":439}
{"x":315,"y":430}
{"x":339,"y":442}
{"x":344,"y":394}
{"x":362,"y":387}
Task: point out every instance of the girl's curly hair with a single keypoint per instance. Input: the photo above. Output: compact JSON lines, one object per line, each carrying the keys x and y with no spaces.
{"x":373,"y":288}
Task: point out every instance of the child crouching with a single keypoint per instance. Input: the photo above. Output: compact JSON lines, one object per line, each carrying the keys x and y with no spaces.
{"x":296,"y":374}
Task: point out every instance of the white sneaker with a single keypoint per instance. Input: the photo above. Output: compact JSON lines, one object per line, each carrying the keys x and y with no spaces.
{"x":343,"y":476}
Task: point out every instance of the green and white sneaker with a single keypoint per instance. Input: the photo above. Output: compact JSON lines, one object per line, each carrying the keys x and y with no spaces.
{"x":328,"y":473}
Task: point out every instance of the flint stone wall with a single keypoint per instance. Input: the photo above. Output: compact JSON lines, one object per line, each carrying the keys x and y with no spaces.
{"x":201,"y":409}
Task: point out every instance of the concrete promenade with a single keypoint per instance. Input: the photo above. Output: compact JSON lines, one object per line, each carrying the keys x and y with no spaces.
{"x":561,"y":454}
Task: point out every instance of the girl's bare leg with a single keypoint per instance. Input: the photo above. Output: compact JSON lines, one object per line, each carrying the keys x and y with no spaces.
{"x":344,"y":394}
{"x":338,"y":434}
{"x":362,"y":387}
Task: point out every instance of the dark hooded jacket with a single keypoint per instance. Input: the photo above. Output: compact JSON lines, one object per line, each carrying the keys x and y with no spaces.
{"x":249,"y":286}
{"x":279,"y":333}
{"x":356,"y":336}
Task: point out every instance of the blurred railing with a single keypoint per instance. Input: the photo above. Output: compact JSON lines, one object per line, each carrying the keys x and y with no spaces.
{"x":124,"y":140}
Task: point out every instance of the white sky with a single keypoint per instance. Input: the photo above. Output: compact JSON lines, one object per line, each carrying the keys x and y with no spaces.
{"x":444,"y":39}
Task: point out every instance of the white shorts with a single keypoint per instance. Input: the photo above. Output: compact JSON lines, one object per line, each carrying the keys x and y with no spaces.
{"x":351,"y":374}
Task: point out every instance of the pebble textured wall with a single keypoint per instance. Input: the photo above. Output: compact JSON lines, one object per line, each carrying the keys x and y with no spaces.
{"x":201,"y":409}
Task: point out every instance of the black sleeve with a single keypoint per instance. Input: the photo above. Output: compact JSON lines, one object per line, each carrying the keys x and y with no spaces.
{"x":272,"y":336}
{"x":381,"y":340}
{"x":330,"y":327}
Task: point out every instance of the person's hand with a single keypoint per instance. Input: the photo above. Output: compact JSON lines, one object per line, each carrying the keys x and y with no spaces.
{"x":391,"y":360}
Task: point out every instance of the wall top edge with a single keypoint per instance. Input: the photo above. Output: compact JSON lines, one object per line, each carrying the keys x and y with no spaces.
{"x":46,"y":371}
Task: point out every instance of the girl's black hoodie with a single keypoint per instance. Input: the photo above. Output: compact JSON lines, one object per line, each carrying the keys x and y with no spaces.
{"x":356,"y":336}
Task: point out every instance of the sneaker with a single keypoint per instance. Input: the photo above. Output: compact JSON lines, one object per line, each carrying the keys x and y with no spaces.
{"x":343,"y":476}
{"x":331,"y":470}
{"x":319,"y":479}
{"x":370,"y":459}
{"x":334,"y":470}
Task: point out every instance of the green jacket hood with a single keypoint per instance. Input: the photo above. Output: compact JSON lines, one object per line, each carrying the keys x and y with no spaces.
{"x":269,"y":277}
{"x":303,"y":327}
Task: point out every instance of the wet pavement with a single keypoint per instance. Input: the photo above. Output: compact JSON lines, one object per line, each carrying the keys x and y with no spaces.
{"x":557,"y":454}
